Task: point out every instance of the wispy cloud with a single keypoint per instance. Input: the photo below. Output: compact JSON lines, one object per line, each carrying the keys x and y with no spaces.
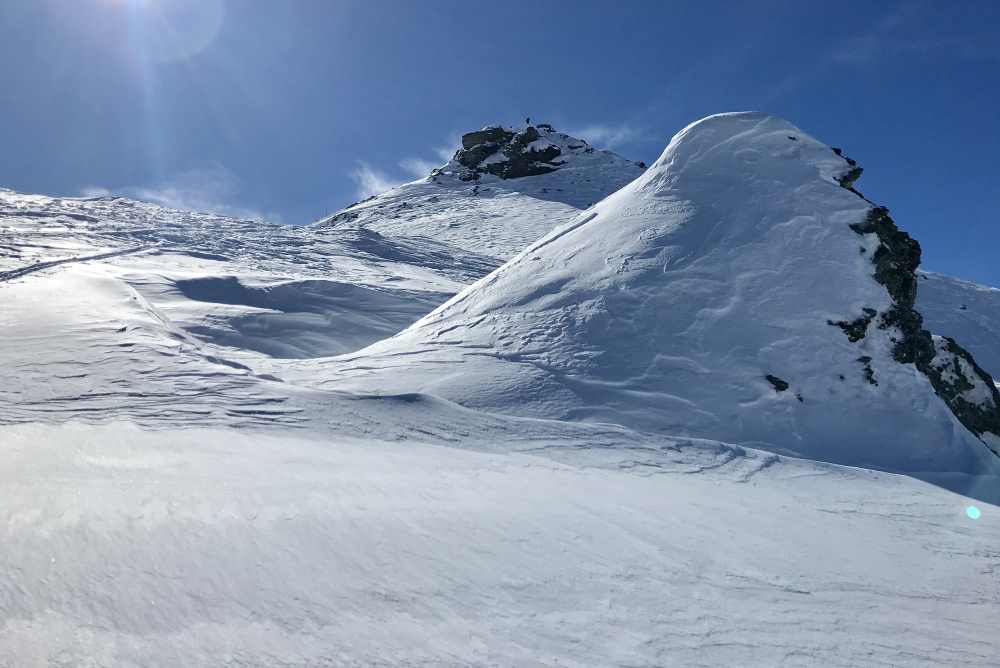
{"x":372,"y":181}
{"x":446,"y":149}
{"x":904,"y":33}
{"x":418,"y":167}
{"x":608,"y":135}
{"x":212,"y":189}
{"x":443,"y":152}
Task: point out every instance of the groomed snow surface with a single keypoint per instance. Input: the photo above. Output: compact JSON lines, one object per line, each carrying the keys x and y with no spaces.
{"x":216,"y":453}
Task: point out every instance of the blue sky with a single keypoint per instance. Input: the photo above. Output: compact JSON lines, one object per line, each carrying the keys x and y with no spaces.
{"x":289,"y":110}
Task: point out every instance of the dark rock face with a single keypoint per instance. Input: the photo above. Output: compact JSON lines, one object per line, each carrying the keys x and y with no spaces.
{"x":956,"y":377}
{"x":856,"y":329}
{"x":519,"y":158}
{"x":866,"y":364}
{"x":848,"y":178}
{"x":897,"y":257}
{"x":953,"y":373}
{"x":472,"y":156}
{"x":491,"y":135}
{"x":778,"y":384}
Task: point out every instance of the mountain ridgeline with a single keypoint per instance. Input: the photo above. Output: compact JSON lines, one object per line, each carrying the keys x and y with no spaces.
{"x":739,"y":289}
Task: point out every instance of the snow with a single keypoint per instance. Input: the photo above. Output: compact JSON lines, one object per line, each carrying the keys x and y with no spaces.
{"x":965,"y":311}
{"x":196,"y":547}
{"x":212,"y":454}
{"x":665,"y":306}
{"x":494,"y":216}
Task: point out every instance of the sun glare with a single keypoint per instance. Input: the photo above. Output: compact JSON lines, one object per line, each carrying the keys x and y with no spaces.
{"x":170,"y":30}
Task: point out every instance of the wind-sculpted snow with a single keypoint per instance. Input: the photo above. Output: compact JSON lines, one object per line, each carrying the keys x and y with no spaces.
{"x":116,"y":309}
{"x":44,"y":229}
{"x":205,"y":286}
{"x":232,"y":548}
{"x":668,"y":305}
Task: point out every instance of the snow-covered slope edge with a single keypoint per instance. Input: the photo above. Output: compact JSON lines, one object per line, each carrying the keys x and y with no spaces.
{"x":965,"y":311}
{"x":738,"y":290}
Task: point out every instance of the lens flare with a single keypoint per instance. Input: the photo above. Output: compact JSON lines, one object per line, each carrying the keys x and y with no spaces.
{"x":180,"y":29}
{"x":973,"y":512}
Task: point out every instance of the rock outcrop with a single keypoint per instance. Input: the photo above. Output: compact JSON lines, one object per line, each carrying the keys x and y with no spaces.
{"x":507,"y":153}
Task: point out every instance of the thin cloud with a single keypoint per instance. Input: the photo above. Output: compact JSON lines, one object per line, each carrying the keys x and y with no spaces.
{"x":446,"y":150}
{"x":372,"y":181}
{"x":418,"y":167}
{"x":898,"y":35}
{"x":212,"y":189}
{"x":608,"y":135}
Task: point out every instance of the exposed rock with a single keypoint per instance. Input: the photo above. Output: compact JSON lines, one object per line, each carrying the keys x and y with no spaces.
{"x":866,"y":363}
{"x":966,"y":388}
{"x":472,"y":156}
{"x":779,"y":384}
{"x":520,"y":157}
{"x":848,"y":178}
{"x":488,"y":135}
{"x":856,"y":329}
{"x":897,"y":257}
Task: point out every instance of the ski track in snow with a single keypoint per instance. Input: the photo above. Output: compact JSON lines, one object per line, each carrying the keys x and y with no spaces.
{"x":38,"y":266}
{"x":191,"y":479}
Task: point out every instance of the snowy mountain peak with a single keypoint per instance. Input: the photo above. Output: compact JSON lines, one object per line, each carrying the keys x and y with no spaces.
{"x":511,"y":153}
{"x":739,"y":290}
{"x":503,"y":189}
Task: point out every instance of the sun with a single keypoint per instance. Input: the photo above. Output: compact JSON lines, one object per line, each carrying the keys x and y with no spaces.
{"x":171,"y":30}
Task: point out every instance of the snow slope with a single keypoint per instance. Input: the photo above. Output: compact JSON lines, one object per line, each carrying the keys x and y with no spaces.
{"x":231,"y":548}
{"x":701,"y":299}
{"x":240,"y":286}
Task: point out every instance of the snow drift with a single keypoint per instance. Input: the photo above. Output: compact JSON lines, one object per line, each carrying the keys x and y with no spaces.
{"x":740,"y":290}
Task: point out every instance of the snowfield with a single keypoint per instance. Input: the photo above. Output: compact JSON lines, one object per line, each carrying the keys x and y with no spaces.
{"x":592,"y":416}
{"x":232,"y":548}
